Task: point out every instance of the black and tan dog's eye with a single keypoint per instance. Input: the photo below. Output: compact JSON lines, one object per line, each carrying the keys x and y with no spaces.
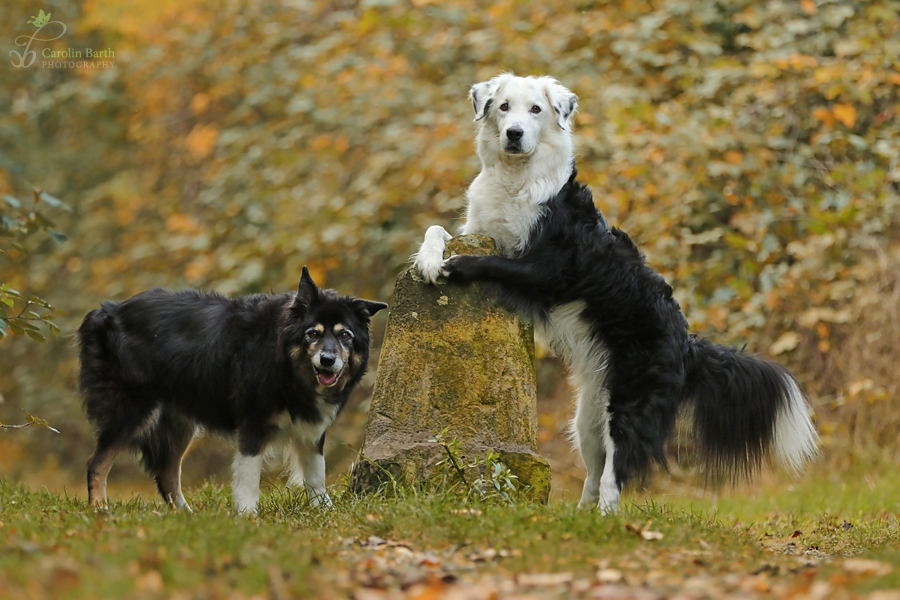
{"x":346,"y":335}
{"x":313,"y":334}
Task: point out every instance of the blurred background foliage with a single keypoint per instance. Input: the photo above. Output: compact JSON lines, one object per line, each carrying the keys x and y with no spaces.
{"x":751,"y":148}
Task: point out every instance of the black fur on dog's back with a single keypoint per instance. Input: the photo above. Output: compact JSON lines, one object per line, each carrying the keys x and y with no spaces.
{"x":745,"y":408}
{"x":161,"y":363}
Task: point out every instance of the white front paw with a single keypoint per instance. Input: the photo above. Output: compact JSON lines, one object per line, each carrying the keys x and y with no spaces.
{"x":245,"y":510}
{"x":430,"y":257}
{"x":429,"y":267}
{"x":319,"y":498}
{"x":588,"y":501}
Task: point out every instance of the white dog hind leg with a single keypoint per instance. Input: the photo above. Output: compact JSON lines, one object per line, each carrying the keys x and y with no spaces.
{"x":588,"y":434}
{"x":609,"y":489}
{"x":245,"y":482}
{"x":430,"y":256}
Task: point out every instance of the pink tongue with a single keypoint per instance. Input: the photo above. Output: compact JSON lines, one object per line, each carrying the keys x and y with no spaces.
{"x":326,"y":379}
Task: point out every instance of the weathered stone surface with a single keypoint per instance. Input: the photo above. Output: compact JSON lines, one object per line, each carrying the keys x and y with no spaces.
{"x":452,"y":359}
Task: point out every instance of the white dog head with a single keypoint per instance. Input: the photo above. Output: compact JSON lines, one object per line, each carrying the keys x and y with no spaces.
{"x":521,"y":113}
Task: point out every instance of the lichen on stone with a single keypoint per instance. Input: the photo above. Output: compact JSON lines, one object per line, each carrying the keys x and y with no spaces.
{"x":452,"y":359}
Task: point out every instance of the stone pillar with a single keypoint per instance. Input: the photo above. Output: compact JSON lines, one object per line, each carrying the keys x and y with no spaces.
{"x":452,"y":358}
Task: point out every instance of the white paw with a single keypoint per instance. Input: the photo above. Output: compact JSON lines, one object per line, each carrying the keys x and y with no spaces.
{"x":430,"y":257}
{"x":587,"y":504}
{"x":320,"y":499}
{"x":609,"y":499}
{"x":607,"y":509}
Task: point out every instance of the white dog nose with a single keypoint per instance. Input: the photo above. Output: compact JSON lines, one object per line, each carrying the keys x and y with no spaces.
{"x":514,"y":134}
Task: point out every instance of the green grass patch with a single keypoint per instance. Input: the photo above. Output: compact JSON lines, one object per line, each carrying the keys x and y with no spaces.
{"x":55,"y":546}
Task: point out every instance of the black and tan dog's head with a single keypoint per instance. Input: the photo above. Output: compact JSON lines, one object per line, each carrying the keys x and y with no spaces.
{"x":327,"y":336}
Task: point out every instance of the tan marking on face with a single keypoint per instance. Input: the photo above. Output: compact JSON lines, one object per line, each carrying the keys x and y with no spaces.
{"x":296,"y":352}
{"x":320,"y":328}
{"x":339,"y":328}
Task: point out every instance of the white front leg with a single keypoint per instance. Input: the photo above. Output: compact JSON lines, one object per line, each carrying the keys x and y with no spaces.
{"x":245,"y":482}
{"x":430,"y":257}
{"x":307,"y":469}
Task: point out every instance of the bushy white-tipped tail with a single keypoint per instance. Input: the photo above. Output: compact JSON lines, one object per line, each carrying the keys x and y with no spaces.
{"x":796,"y":440}
{"x":746,"y":410}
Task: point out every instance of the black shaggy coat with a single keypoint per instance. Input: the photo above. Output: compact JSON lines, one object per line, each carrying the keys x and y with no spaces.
{"x":161,"y":363}
{"x":653,"y":363}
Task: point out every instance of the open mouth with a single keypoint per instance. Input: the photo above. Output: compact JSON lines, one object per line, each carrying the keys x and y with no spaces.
{"x":326,"y":378}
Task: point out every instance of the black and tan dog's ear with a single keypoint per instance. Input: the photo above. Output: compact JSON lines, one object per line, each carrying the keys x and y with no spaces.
{"x":307,"y":291}
{"x":367,"y":308}
{"x":563,"y":101}
{"x":482,"y":94}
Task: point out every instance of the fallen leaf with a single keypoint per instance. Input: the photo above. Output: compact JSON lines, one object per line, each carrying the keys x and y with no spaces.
{"x":474,"y":512}
{"x":544,"y":579}
{"x":866,"y":566}
{"x":610,"y":576}
{"x":430,"y":560}
{"x":151,"y":581}
{"x":644,"y":532}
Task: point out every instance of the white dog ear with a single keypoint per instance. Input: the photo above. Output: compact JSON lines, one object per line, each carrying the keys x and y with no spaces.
{"x":482,"y":94}
{"x":563,"y":101}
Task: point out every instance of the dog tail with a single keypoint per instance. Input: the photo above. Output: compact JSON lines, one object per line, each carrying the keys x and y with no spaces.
{"x":745,"y":410}
{"x":101,"y":355}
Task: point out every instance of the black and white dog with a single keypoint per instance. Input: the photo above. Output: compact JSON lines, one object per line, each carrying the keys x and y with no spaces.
{"x":610,"y":316}
{"x":274,"y":369}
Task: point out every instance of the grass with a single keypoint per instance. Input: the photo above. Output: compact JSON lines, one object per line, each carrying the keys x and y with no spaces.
{"x":412,"y":543}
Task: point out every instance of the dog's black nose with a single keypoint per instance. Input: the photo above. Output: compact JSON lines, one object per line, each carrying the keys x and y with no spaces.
{"x":326,"y":360}
{"x":514,"y":134}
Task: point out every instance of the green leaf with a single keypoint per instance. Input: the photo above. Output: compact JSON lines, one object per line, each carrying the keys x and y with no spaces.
{"x":35,"y":335}
{"x":39,"y":301}
{"x":11,"y":292}
{"x":53,"y":201}
{"x":25,"y":325}
{"x":42,"y":220}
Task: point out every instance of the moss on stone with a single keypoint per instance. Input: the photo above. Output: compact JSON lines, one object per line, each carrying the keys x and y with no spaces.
{"x":453,"y":359}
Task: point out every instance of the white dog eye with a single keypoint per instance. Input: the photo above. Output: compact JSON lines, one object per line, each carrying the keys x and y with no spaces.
{"x":535,"y":109}
{"x":504,"y":107}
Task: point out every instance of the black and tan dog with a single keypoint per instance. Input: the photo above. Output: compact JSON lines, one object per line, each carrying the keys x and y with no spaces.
{"x":273,"y":369}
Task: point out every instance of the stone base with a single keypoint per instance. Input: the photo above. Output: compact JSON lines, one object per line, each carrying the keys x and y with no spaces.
{"x":452,"y":359}
{"x":416,"y":462}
